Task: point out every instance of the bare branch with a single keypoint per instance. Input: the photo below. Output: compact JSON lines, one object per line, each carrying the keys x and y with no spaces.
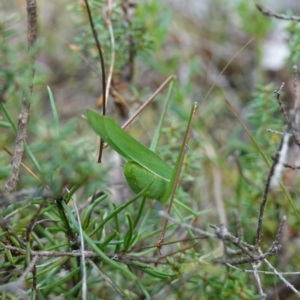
{"x":269,"y":181}
{"x":11,"y":182}
{"x":282,"y":278}
{"x":271,"y":14}
{"x":121,"y":257}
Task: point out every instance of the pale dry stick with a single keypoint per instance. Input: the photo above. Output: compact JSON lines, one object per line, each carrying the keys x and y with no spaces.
{"x":269,"y":13}
{"x":258,"y":282}
{"x":126,"y":259}
{"x":11,"y":182}
{"x":280,"y":276}
{"x":83,"y":265}
{"x":281,"y":292}
{"x":276,"y":132}
{"x":45,"y":220}
{"x":259,"y":271}
{"x":108,"y":14}
{"x":107,"y":279}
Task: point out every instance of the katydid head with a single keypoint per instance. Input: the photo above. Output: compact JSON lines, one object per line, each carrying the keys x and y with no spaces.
{"x":138,"y":178}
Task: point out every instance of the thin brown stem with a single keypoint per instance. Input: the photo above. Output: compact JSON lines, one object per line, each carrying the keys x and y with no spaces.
{"x":98,"y":45}
{"x":271,"y":173}
{"x":11,"y":182}
{"x":263,"y":204}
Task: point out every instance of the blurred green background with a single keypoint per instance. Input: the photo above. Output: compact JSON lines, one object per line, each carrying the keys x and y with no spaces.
{"x":201,"y":43}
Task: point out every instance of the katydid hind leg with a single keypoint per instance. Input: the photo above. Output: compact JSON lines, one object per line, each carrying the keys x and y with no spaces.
{"x":176,"y":172}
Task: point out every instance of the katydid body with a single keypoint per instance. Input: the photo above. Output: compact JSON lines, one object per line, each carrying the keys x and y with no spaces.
{"x":143,"y":166}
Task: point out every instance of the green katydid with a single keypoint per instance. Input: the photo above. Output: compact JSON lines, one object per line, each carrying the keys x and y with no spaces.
{"x":142,"y":166}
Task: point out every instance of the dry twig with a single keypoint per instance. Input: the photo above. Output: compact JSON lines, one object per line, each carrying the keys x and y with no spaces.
{"x":271,"y":14}
{"x":98,"y":45}
{"x":11,"y":182}
{"x":267,"y":185}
